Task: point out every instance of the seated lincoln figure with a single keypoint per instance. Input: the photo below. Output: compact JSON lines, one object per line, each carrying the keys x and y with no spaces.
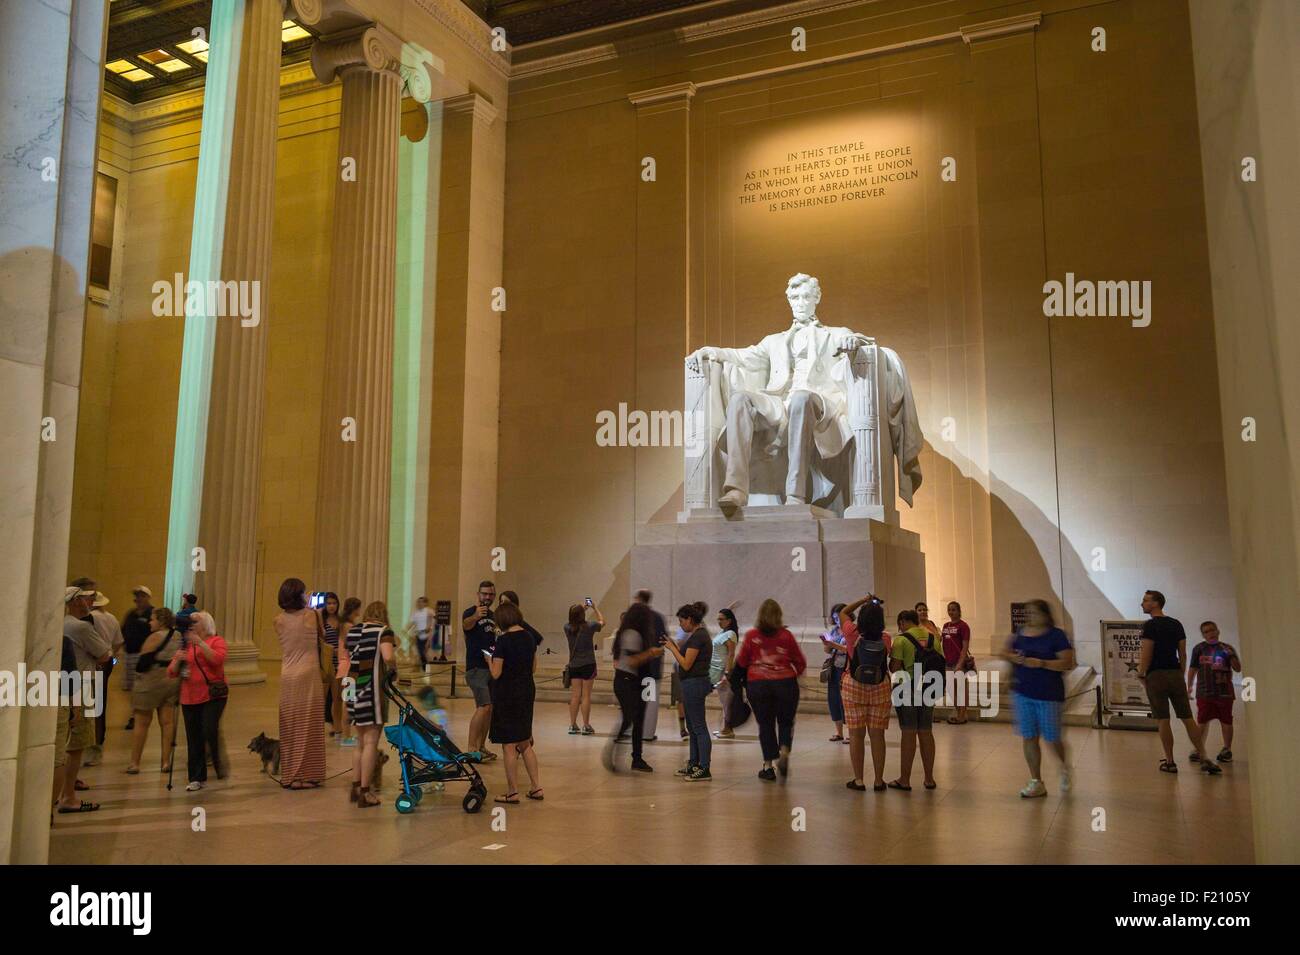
{"x":791,"y":392}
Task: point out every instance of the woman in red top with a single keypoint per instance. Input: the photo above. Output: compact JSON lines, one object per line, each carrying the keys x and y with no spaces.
{"x":201,"y":668}
{"x":773,"y":663}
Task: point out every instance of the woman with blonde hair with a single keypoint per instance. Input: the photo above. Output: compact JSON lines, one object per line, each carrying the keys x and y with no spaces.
{"x":200,"y":666}
{"x":302,"y":734}
{"x":152,"y":691}
{"x":371,"y":652}
{"x":773,"y":664}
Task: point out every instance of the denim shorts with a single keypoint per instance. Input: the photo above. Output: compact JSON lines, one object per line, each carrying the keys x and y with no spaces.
{"x":479,"y":681}
{"x":1035,"y":718}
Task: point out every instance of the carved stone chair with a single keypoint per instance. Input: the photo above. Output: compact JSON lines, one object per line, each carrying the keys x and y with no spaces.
{"x":859,"y":482}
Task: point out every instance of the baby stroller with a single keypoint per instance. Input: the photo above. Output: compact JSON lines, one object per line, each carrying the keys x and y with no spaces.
{"x":427,"y":755}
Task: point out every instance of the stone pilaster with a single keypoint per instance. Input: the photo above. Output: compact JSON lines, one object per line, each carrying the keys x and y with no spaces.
{"x":50,"y":85}
{"x":352,"y":500}
{"x":232,"y":465}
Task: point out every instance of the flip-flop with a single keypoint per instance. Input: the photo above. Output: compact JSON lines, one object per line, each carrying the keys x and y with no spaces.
{"x":84,"y":807}
{"x":81,"y":786}
{"x":133,"y":770}
{"x":931,"y":785}
{"x":895,"y":784}
{"x":1168,"y":766}
{"x":855,"y":785}
{"x":510,"y":799}
{"x":835,"y":739}
{"x":535,"y":794}
{"x":879,"y":787}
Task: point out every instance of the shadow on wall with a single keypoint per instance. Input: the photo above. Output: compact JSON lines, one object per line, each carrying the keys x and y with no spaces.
{"x":1019,"y":521}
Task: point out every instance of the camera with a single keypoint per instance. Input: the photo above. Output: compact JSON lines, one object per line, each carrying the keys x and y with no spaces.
{"x":316,"y":600}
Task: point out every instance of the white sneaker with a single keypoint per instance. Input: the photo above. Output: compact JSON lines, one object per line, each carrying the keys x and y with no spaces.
{"x":1065,"y":779}
{"x":193,"y":787}
{"x":1034,"y":789}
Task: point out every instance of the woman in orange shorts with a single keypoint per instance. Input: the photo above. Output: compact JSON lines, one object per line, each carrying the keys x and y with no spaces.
{"x":866,"y":704}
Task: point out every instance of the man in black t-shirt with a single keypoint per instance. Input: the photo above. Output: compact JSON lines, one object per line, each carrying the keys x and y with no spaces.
{"x":480,"y":636}
{"x":135,"y":630}
{"x":1160,"y":668}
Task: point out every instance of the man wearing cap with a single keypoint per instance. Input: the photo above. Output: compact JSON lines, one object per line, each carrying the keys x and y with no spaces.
{"x":110,"y":631}
{"x":135,"y":631}
{"x":90,"y":651}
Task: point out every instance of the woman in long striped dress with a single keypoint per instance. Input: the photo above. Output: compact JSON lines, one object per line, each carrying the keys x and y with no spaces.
{"x":302,"y":735}
{"x":370,"y":651}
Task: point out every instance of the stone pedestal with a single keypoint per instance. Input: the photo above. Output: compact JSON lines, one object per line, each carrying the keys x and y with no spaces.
{"x":804,"y":559}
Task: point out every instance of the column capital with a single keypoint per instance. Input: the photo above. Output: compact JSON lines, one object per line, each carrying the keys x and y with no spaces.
{"x":672,"y":96}
{"x":474,"y":104}
{"x":989,"y":29}
{"x":371,"y":47}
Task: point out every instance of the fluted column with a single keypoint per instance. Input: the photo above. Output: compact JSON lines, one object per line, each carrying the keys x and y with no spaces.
{"x":232,"y":465}
{"x":352,"y":500}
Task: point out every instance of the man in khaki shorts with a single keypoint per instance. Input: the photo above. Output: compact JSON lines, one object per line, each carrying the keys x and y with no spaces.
{"x":1160,"y":668}
{"x":90,"y":651}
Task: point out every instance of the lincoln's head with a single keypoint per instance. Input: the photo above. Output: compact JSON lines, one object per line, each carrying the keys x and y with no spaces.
{"x":803,"y":292}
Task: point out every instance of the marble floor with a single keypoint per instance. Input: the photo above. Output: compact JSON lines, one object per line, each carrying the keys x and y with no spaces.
{"x":592,"y":816}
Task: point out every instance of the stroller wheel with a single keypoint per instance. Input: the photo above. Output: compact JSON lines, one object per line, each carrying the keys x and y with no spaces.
{"x":404,"y":803}
{"x":418,"y":793}
{"x":473,"y":801}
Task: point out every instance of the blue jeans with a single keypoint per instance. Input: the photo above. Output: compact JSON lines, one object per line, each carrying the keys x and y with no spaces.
{"x":834,"y":701}
{"x":694,"y":690}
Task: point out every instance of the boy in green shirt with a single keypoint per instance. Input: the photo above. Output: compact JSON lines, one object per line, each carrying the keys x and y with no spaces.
{"x":913,"y":721}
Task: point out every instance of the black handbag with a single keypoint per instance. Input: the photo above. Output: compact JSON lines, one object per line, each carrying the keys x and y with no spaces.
{"x":149,"y":660}
{"x":217,"y":690}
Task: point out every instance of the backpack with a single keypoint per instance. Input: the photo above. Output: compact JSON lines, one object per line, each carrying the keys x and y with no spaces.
{"x":870,"y":661}
{"x":931,"y":660}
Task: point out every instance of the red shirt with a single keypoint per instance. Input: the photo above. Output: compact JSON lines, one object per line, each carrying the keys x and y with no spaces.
{"x":194,"y":690}
{"x":771,"y":656}
{"x":954,"y":635}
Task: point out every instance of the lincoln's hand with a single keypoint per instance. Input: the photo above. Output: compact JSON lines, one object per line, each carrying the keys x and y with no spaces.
{"x":708,"y":353}
{"x":849,"y":343}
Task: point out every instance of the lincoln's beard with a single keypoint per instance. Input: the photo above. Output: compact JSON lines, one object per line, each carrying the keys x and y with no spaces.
{"x":810,"y":320}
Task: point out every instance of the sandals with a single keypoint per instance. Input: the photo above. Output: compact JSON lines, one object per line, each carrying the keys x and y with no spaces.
{"x":931,"y":785}
{"x":1168,"y":766}
{"x":366,"y":799}
{"x":855,"y":785}
{"x":895,"y":784}
{"x":82,"y":807}
{"x":836,"y":738}
{"x":510,"y":799}
{"x":133,"y":770}
{"x":879,"y":787}
{"x":81,"y":786}
{"x":952,"y":720}
{"x":355,"y":792}
{"x":535,"y":794}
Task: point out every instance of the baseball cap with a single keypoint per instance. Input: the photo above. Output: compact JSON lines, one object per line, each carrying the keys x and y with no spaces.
{"x":142,"y":589}
{"x":72,"y":593}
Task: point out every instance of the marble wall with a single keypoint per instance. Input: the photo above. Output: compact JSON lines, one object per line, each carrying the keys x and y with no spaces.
{"x":1081,"y":467}
{"x":1246,"y":64}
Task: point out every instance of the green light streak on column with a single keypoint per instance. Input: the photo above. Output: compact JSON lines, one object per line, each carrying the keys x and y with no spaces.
{"x":419,"y":174}
{"x":225,"y":35}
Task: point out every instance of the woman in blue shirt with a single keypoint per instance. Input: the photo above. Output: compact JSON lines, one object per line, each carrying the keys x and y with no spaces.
{"x":1040,"y":653}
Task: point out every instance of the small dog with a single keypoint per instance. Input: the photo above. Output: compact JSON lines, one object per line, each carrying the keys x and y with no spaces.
{"x":377,"y":776}
{"x":269,"y":750}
